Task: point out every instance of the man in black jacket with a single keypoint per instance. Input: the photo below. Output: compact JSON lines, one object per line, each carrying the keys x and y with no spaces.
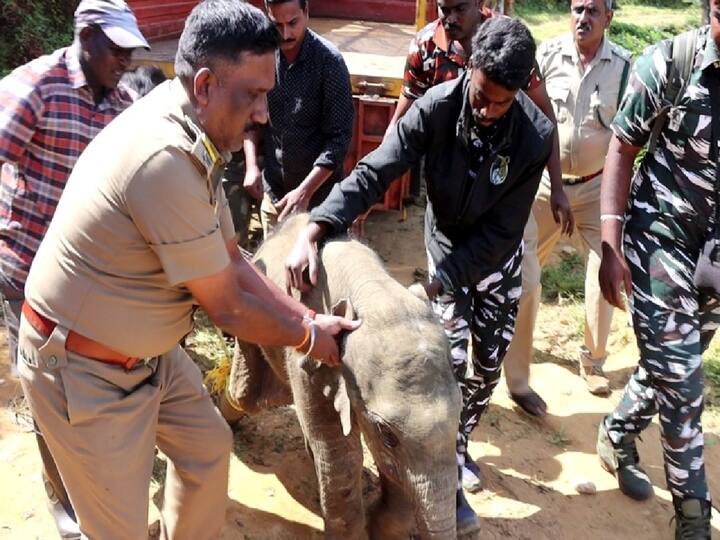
{"x":485,"y":145}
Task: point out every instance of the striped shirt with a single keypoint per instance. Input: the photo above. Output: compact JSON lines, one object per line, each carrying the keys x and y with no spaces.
{"x":47,"y":118}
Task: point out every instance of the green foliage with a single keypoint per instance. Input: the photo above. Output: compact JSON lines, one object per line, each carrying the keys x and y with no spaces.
{"x":565,"y":279}
{"x":636,"y":38}
{"x":31,"y":28}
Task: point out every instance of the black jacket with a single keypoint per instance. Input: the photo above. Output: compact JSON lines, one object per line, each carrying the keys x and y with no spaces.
{"x":472,"y":227}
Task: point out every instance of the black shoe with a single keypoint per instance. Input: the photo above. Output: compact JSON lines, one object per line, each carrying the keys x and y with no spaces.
{"x":692,"y":519}
{"x":467,"y":520}
{"x":622,"y":461}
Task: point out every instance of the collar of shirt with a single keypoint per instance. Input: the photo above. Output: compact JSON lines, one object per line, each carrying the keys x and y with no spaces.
{"x":118,"y":97}
{"x":179,"y":95}
{"x":303,"y":55}
{"x":711,"y":55}
{"x":452,"y":49}
{"x":75,"y":72}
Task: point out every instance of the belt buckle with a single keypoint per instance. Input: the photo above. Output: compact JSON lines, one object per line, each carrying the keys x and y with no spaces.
{"x":572,"y":180}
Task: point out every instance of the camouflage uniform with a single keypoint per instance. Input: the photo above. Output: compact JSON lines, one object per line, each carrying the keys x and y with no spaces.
{"x":668,"y":219}
{"x":486,"y":312}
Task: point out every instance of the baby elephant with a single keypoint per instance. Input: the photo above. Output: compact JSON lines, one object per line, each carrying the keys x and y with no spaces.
{"x":395,"y":386}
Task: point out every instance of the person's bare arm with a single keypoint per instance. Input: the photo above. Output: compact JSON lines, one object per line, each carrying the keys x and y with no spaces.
{"x":253,"y":175}
{"x":559,"y":204}
{"x":617,"y":174}
{"x":245,"y":303}
{"x":298,"y":199}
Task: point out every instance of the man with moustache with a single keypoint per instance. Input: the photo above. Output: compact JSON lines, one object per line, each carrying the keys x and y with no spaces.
{"x":311,"y":120}
{"x":50,"y":109}
{"x":141,"y":235}
{"x":485,"y":145}
{"x":585,"y":74}
{"x":659,"y":243}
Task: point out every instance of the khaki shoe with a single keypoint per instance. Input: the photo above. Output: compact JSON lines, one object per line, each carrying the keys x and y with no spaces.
{"x":592,"y":372}
{"x":62,"y":512}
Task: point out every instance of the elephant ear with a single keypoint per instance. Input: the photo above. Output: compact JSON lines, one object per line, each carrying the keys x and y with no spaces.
{"x":330,"y":380}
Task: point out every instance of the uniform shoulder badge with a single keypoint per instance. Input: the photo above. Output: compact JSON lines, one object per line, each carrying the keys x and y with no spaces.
{"x":621,"y":52}
{"x":499,"y":170}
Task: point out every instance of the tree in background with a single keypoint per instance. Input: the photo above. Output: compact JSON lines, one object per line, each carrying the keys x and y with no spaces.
{"x":31,"y":28}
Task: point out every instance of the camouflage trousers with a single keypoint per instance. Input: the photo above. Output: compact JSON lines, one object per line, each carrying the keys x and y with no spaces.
{"x":486,"y":315}
{"x":674,"y":323}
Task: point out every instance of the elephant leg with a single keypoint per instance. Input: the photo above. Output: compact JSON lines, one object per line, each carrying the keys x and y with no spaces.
{"x":252,"y":385}
{"x":337,"y":458}
{"x":393,"y":517}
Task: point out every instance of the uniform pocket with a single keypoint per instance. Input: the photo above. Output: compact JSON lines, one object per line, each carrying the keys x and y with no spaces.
{"x":693,"y":126}
{"x":558,"y":93}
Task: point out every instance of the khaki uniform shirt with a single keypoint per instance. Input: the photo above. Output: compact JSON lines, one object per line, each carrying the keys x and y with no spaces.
{"x":584,"y":102}
{"x":139,"y":217}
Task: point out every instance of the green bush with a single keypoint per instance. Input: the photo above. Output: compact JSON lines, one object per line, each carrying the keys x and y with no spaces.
{"x":564,"y":279}
{"x":636,"y":38}
{"x":32,"y":28}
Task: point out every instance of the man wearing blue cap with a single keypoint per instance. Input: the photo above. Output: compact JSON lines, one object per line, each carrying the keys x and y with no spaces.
{"x":50,"y":109}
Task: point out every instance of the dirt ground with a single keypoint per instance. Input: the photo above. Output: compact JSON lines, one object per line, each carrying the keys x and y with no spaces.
{"x":530,"y":466}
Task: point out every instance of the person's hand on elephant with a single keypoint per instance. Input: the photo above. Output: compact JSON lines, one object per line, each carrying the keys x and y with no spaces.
{"x":304,"y":258}
{"x":293,"y":202}
{"x":328,"y":329}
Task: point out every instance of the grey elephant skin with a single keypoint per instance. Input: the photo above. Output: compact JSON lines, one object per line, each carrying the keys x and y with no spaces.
{"x":395,"y":386}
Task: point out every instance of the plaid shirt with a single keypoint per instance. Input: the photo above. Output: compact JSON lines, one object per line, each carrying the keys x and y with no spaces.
{"x":47,"y":118}
{"x":433,"y":59}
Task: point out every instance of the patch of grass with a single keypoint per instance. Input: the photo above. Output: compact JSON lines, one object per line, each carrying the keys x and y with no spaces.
{"x":712,"y":376}
{"x":565,"y":279}
{"x":636,"y":25}
{"x":637,"y":38}
{"x":559,"y":438}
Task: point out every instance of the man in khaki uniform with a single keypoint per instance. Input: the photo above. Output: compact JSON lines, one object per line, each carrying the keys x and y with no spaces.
{"x":585,"y":74}
{"x":141,"y":235}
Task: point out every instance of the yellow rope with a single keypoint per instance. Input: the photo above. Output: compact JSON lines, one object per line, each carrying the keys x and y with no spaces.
{"x":216,"y":379}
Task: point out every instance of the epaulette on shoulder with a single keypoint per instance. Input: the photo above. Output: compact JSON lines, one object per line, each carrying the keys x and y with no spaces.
{"x":623,"y":53}
{"x":550,"y":46}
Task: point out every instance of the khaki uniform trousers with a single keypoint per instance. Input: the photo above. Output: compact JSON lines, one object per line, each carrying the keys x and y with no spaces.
{"x":541,"y":236}
{"x":268,"y":215}
{"x":102,"y":422}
